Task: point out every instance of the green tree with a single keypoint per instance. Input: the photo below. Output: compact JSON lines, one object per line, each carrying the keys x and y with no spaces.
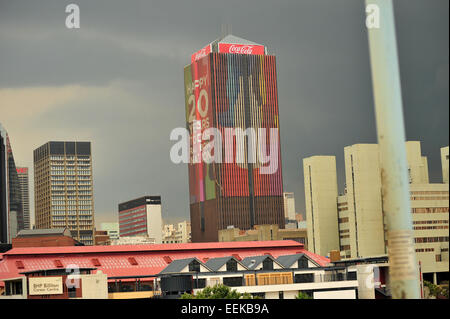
{"x":217,"y":292}
{"x":438,"y":291}
{"x":302,"y":295}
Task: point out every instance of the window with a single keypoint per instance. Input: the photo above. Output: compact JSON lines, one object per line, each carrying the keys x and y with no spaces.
{"x":267,"y":264}
{"x":302,"y":278}
{"x":302,"y":263}
{"x":281,"y":295}
{"x":231,"y":265}
{"x":232,"y":281}
{"x":199,"y":283}
{"x":194,"y":266}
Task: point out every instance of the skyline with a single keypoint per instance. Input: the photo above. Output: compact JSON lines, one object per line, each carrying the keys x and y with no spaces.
{"x":80,"y":80}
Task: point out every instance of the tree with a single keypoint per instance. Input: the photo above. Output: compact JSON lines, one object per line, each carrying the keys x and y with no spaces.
{"x":218,"y":291}
{"x":438,"y":291}
{"x":302,"y":295}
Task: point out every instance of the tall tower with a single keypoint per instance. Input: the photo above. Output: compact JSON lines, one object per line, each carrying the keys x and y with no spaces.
{"x":22,"y":174}
{"x":63,"y":190}
{"x":321,"y":207}
{"x":231,"y":86}
{"x":11,"y":210}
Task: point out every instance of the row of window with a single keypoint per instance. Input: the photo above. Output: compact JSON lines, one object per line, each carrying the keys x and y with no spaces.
{"x":429,"y":227}
{"x":430,"y":210}
{"x":442,"y":221}
{"x":429,"y":198}
{"x":431,"y":239}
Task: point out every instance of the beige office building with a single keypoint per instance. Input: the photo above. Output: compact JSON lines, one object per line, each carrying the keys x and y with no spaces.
{"x":175,"y":234}
{"x":63,"y":188}
{"x":444,"y":161}
{"x":321,"y":207}
{"x":361,"y":225}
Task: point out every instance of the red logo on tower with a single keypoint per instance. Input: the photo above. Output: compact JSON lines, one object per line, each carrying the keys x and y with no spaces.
{"x":241,"y":48}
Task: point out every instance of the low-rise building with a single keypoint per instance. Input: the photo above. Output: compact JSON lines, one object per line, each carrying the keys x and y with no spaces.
{"x":262,"y":276}
{"x":79,"y":283}
{"x":44,"y":238}
{"x":263,"y":232}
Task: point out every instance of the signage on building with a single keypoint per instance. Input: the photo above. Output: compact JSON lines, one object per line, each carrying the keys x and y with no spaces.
{"x":241,"y":48}
{"x":22,"y":170}
{"x":45,"y":285}
{"x":201,"y":53}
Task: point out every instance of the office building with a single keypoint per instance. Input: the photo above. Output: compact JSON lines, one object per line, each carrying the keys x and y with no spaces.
{"x":360,"y":216}
{"x":444,"y":162}
{"x":22,"y":174}
{"x":231,"y":84}
{"x":289,"y":210}
{"x":63,"y":188}
{"x":141,"y":217}
{"x":112,"y":230}
{"x":320,"y":202}
{"x":11,"y":207}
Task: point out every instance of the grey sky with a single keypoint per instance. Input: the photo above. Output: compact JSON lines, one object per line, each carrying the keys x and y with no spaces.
{"x":118,"y":82}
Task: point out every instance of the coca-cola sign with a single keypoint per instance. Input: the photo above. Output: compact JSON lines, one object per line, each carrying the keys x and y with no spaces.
{"x":234,"y":48}
{"x":201,"y":53}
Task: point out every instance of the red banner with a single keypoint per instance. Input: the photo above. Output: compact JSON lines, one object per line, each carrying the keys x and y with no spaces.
{"x":201,"y":53}
{"x":241,"y":48}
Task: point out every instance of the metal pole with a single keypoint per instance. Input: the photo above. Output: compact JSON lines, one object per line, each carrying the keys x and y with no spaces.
{"x":403,"y":274}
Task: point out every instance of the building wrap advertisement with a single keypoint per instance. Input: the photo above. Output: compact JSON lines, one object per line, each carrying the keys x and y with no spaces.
{"x":199,"y":117}
{"x":246,"y":97}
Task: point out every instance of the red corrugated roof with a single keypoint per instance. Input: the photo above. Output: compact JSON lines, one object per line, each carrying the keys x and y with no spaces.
{"x":152,"y":247}
{"x":150,"y":259}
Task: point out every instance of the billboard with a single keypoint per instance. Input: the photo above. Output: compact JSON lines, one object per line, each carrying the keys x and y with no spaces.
{"x":45,"y":285}
{"x":241,"y":48}
{"x":199,"y":117}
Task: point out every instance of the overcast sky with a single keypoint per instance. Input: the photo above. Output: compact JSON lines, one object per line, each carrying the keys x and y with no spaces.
{"x":118,"y":82}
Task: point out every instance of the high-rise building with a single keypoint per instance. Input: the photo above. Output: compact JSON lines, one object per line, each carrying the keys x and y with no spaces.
{"x":231,"y":86}
{"x":360,"y":217}
{"x":320,"y":200}
{"x":364,"y":203}
{"x":289,"y":210}
{"x":444,"y":162}
{"x":141,"y":217}
{"x":11,"y":207}
{"x":22,"y":174}
{"x":63,"y":188}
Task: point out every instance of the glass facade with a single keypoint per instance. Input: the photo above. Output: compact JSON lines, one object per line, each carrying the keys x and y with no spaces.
{"x":11,"y":206}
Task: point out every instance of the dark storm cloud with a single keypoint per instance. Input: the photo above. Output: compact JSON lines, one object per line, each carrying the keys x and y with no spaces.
{"x":324,"y":81}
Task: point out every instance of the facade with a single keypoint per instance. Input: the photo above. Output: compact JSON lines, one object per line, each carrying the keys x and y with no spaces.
{"x":112,"y":230}
{"x":263,"y":276}
{"x":289,"y":210}
{"x":320,"y":201}
{"x":444,"y":162}
{"x":134,"y":267}
{"x":22,"y":174}
{"x":63,"y":189}
{"x":361,"y":223}
{"x":53,"y":237}
{"x":141,"y":217}
{"x":231,"y":85}
{"x":263,"y":232}
{"x":56,"y":284}
{"x":179,"y":233}
{"x":11,"y":206}
{"x":365,"y":235}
